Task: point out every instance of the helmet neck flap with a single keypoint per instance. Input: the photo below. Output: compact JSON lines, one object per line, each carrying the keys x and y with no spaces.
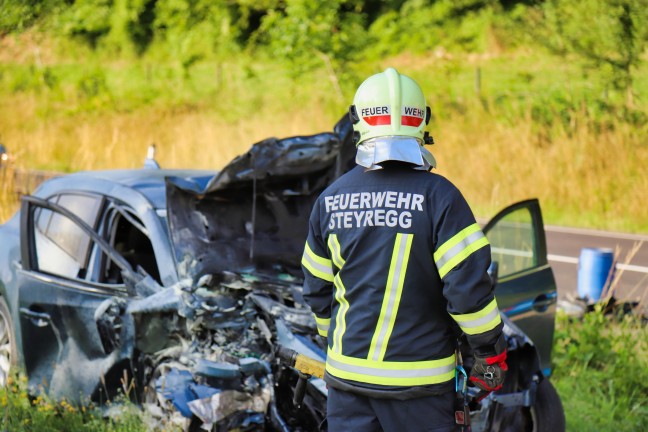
{"x":374,"y":151}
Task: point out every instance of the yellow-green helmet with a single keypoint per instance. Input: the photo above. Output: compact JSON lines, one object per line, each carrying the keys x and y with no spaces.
{"x":389,"y":104}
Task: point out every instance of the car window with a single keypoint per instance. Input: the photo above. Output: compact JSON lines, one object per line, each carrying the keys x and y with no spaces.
{"x":127,"y":234}
{"x":85,"y":207}
{"x":512,"y":241}
{"x":62,"y":247}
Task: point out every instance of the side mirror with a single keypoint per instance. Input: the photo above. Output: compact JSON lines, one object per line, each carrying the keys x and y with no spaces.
{"x":493,"y":272}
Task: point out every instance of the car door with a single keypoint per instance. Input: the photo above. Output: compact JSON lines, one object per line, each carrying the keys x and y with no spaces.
{"x":63,"y":350}
{"x":525,"y":286}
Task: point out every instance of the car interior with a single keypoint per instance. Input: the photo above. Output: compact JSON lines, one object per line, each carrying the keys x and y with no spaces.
{"x":126,"y":235}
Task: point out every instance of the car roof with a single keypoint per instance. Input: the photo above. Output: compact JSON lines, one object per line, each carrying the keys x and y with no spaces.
{"x":147,"y":181}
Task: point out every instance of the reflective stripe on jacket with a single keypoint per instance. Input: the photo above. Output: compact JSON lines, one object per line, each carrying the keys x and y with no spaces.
{"x":394,"y":260}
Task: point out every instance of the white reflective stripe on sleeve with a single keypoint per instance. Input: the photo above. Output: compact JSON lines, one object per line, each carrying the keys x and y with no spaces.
{"x":458,"y":248}
{"x":481,"y":321}
{"x":318,"y":266}
{"x":323,"y":325}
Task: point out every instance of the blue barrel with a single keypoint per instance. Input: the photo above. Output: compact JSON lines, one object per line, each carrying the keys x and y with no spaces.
{"x":594,"y":267}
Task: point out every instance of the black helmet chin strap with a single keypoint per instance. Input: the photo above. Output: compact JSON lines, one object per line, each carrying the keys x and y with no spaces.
{"x":353,"y":114}
{"x":356,"y":138}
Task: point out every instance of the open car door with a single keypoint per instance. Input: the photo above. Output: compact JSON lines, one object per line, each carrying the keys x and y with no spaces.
{"x":525,"y":286}
{"x":64,"y":350}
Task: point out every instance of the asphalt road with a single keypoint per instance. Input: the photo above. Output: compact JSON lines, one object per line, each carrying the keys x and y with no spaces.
{"x":564,"y":247}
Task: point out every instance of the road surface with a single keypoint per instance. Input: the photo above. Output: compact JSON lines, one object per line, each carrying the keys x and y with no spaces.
{"x":564,"y":246}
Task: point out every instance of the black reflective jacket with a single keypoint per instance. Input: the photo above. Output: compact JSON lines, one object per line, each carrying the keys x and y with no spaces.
{"x":394,"y":260}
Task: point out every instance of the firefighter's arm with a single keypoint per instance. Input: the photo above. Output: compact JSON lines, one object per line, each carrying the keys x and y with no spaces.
{"x":318,"y":274}
{"x":462,"y":257}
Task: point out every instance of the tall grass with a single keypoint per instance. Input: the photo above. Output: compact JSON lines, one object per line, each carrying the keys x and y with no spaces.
{"x":536,"y":129}
{"x":601,"y":372}
{"x":184,"y":138}
{"x":8,"y":198}
{"x":584,"y":175}
{"x":24,"y":413}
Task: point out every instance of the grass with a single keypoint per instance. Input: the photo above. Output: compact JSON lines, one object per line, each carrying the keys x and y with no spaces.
{"x":8,"y":200}
{"x":601,"y":372}
{"x":538,"y":128}
{"x":584,"y":176}
{"x":25,"y":413}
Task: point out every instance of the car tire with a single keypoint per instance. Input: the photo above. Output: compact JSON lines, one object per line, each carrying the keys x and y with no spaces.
{"x":546,"y":414}
{"x":8,"y":351}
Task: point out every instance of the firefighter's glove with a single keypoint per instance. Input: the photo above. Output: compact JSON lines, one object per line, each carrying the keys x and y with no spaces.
{"x":488,"y":373}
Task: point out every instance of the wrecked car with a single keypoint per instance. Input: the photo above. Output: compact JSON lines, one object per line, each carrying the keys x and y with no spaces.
{"x":175,"y":288}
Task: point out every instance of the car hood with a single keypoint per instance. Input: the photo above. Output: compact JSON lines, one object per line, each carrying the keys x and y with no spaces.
{"x":253,"y":215}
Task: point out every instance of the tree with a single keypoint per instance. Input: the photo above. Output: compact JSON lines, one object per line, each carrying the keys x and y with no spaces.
{"x":610,"y":35}
{"x":306,"y":30}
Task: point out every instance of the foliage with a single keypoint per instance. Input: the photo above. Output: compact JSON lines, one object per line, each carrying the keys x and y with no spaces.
{"x":337,"y":33}
{"x":421,"y":25}
{"x":25,"y":413}
{"x":18,"y":15}
{"x":537,"y":129}
{"x":306,"y":32}
{"x":192,"y":30}
{"x":89,"y":20}
{"x":601,"y":372}
{"x":612,"y":39}
{"x":88,"y":84}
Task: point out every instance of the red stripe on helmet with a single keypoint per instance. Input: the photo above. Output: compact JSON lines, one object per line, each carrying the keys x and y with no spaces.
{"x":411,"y":121}
{"x":378,"y":120}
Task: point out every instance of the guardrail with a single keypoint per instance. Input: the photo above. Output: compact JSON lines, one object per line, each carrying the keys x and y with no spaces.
{"x":24,"y":181}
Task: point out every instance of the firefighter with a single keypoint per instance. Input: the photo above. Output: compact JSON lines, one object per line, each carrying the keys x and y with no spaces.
{"x":393,"y":262}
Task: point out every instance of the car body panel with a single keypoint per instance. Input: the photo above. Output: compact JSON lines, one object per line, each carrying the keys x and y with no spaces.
{"x":525,"y":287}
{"x":55,"y":316}
{"x":57,"y":312}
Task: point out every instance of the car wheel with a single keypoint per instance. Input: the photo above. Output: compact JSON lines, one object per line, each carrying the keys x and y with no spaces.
{"x":546,"y":415}
{"x":8,"y":353}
